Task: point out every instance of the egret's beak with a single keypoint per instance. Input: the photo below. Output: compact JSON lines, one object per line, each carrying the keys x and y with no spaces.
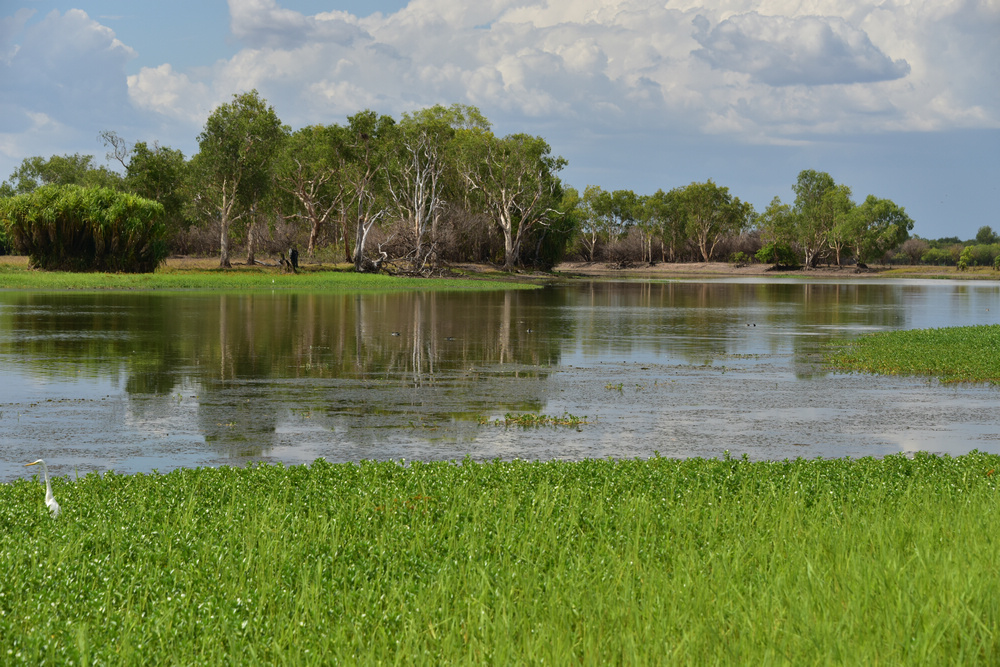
{"x":30,"y":464}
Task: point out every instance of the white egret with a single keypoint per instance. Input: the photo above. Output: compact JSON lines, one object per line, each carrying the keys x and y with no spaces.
{"x":50,"y":500}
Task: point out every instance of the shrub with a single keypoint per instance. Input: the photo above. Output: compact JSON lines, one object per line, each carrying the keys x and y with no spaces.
{"x":70,"y":228}
{"x":965,"y":259}
{"x":778,"y":254}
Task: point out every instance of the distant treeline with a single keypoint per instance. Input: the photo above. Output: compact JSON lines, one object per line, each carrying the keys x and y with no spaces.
{"x":437,"y":186}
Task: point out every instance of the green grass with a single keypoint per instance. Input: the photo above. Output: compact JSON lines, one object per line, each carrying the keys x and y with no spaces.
{"x":953,"y":354}
{"x":890,"y":561}
{"x":20,"y":277}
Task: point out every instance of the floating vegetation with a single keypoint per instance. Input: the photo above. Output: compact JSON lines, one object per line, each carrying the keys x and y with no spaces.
{"x":952,"y":354}
{"x":528,"y":419}
{"x":870,"y":561}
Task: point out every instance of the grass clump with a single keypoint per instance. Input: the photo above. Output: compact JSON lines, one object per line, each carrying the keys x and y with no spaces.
{"x":953,"y":354}
{"x":697,"y":561}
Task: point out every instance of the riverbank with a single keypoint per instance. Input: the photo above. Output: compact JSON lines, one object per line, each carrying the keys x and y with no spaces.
{"x":869,"y":561}
{"x":205,"y":273}
{"x":189,"y":273}
{"x":684,"y":270}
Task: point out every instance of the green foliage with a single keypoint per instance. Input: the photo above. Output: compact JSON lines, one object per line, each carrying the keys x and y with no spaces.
{"x":660,"y":561}
{"x":965,"y":259}
{"x":70,"y":228}
{"x":161,"y":174}
{"x":954,"y":354}
{"x":779,"y":254}
{"x":740,"y":258}
{"x":712,"y":214}
{"x":820,"y":204}
{"x":986,"y":236}
{"x":237,"y":154}
{"x":940,"y":257}
{"x":76,"y":169}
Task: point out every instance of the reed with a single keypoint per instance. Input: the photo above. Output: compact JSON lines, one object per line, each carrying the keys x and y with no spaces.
{"x":866,"y":561}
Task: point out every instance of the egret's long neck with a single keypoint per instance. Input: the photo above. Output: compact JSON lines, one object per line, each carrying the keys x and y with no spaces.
{"x":48,"y":487}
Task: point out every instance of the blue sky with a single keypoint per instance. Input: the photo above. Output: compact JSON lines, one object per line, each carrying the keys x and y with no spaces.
{"x":900,"y":100}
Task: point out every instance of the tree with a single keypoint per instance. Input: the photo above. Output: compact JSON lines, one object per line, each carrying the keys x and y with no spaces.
{"x":419,"y":166}
{"x":711,"y":214}
{"x":878,"y":226}
{"x":662,"y":211}
{"x":75,"y":169}
{"x":310,"y":169}
{"x":236,"y":159}
{"x":514,"y":177}
{"x":818,"y":202}
{"x":369,"y":136}
{"x":160,"y":173}
{"x":986,"y":236}
{"x":594,"y":222}
{"x":777,"y":232}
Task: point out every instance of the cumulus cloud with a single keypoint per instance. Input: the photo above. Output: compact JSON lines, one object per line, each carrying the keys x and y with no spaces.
{"x":807,"y":50}
{"x":63,"y":79}
{"x":772,"y":71}
{"x":265,"y":24}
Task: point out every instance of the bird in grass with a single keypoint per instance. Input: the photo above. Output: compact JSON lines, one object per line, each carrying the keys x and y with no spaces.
{"x":50,"y":500}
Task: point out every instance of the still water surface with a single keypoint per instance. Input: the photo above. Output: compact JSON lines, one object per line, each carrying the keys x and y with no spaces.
{"x":141,"y":381}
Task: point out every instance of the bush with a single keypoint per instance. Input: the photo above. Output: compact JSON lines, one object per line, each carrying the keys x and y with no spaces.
{"x":778,"y":254}
{"x":70,"y":228}
{"x":938,"y":257}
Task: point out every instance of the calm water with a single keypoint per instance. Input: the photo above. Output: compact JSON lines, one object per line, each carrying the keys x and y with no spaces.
{"x":136,"y":382}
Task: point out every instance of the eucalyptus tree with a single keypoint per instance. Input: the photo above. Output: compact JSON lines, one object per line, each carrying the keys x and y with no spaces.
{"x":235,"y":161}
{"x":778,"y":233}
{"x":819,"y":204}
{"x":420,"y":164}
{"x":310,"y":170}
{"x":160,"y":173}
{"x":369,"y":139}
{"x":593,"y":218}
{"x":875,"y":227}
{"x":515,"y":179}
{"x":711,"y":214}
{"x":662,"y":213}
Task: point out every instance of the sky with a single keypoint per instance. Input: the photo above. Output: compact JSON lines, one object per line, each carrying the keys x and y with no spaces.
{"x":896,"y":98}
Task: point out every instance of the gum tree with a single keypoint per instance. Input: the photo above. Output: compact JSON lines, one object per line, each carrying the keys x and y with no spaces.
{"x":818,"y":203}
{"x":515,"y":180}
{"x":712,"y":214}
{"x":235,"y":161}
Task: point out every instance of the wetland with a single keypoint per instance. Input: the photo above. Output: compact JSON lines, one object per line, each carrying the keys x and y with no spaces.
{"x":142,"y":381}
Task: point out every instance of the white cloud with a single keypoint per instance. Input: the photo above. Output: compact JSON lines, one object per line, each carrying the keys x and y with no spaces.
{"x":62,"y":80}
{"x":762,"y":71}
{"x":808,"y":50}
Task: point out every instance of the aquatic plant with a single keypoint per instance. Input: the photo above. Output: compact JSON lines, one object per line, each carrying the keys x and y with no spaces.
{"x":528,"y":419}
{"x":696,"y":561}
{"x":952,"y":354}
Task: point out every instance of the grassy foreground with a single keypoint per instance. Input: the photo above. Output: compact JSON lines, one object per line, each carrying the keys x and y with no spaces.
{"x":952,"y":354}
{"x":17,"y":275}
{"x":663,"y":561}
